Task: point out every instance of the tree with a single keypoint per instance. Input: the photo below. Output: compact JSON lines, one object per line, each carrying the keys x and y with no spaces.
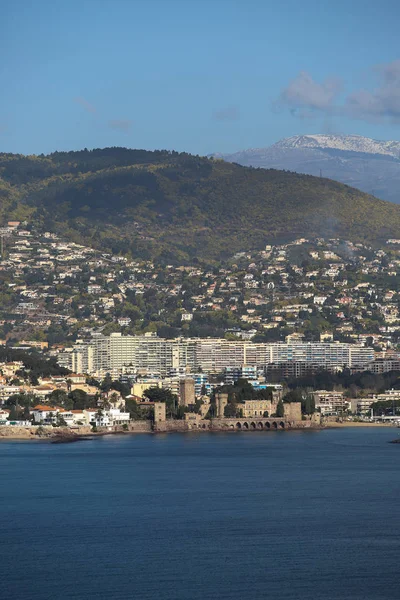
{"x":79,"y":399}
{"x":60,"y":398}
{"x":180,"y":412}
{"x":308,"y":404}
{"x":133,"y":408}
{"x":114,"y":398}
{"x":230,"y":410}
{"x":123,"y":388}
{"x":293,"y":396}
{"x":14,"y":414}
{"x":21,"y":400}
{"x":106,"y":384}
{"x":61,"y":422}
{"x":280,"y":410}
{"x":155,"y":394}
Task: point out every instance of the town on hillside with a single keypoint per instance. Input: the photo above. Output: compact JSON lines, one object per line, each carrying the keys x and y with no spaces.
{"x":296,"y":332}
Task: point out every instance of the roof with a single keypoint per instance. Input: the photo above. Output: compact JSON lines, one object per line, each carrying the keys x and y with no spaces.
{"x":44,"y":387}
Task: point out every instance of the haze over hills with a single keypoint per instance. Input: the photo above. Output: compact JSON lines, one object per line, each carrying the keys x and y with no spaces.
{"x":173,"y":206}
{"x":370,"y":165}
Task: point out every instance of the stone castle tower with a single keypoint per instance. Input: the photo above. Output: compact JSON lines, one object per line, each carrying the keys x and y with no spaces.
{"x":160,"y":413}
{"x":186,"y":392}
{"x":221,"y":401}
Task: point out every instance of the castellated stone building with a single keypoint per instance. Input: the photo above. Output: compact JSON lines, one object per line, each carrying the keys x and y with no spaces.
{"x":186,"y":391}
{"x":160,"y":414}
{"x":221,"y":401}
{"x":292,"y":411}
{"x":257,"y":408}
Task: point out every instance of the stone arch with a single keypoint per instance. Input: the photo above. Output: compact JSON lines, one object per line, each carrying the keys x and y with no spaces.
{"x":238,"y":425}
{"x":282,"y":425}
{"x":194,"y":425}
{"x":267,"y":425}
{"x":260,"y":425}
{"x":275,"y":425}
{"x":245,"y":425}
{"x":252,"y":425}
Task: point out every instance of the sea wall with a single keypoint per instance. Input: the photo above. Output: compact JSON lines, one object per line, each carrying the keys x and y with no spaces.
{"x":260,"y":424}
{"x":41,"y":432}
{"x":139,"y":427}
{"x":242,"y":424}
{"x":172,"y":426}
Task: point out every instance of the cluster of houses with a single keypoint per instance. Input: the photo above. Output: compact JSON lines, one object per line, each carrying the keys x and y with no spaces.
{"x":45,"y":414}
{"x":335,"y":288}
{"x":109,"y":411}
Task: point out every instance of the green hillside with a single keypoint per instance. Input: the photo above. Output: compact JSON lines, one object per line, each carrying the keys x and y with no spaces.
{"x":175,"y":207}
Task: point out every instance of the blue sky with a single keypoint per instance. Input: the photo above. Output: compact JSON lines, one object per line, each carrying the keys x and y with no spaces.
{"x":195,"y":75}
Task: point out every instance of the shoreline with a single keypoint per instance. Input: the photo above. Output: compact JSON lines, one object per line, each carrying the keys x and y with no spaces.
{"x":337,"y":425}
{"x":70,"y":436}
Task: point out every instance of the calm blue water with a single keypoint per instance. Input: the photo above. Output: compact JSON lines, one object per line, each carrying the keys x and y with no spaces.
{"x":288,"y":515}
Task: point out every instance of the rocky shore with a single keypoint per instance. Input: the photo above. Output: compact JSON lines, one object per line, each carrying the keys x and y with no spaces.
{"x":42,"y":433}
{"x":66,"y":434}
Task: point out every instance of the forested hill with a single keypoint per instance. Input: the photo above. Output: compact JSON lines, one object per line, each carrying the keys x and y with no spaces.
{"x":176,"y":207}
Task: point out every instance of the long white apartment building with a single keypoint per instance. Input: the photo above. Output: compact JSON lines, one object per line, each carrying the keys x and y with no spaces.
{"x":149,"y":353}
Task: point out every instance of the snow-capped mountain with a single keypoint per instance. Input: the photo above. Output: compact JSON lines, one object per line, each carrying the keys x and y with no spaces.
{"x":349,"y":143}
{"x":370,"y":165}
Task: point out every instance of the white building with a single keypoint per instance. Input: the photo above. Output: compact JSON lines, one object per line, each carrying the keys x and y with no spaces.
{"x":330,"y":402}
{"x":151,"y":354}
{"x":45,"y":415}
{"x":387,"y":396}
{"x":110,"y":418}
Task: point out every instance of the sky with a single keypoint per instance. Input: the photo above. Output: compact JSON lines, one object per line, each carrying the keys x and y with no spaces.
{"x":200,"y":76}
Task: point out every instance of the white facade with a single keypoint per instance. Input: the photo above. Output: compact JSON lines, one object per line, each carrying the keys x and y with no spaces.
{"x":8,"y":390}
{"x":330,"y":402}
{"x":152,"y":354}
{"x":387,"y":396}
{"x":110,"y":418}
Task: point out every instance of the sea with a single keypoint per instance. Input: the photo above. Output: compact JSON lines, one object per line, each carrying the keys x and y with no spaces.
{"x":311,"y":515}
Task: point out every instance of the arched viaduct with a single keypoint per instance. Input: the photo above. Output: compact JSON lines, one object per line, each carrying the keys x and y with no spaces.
{"x":247,"y":424}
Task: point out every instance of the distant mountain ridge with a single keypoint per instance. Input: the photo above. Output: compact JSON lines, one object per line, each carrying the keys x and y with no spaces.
{"x":175,"y":207}
{"x":349,"y":143}
{"x":370,"y":165}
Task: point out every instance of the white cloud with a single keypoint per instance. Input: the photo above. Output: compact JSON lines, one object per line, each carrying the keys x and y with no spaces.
{"x":381,"y":103}
{"x":305,"y":97}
